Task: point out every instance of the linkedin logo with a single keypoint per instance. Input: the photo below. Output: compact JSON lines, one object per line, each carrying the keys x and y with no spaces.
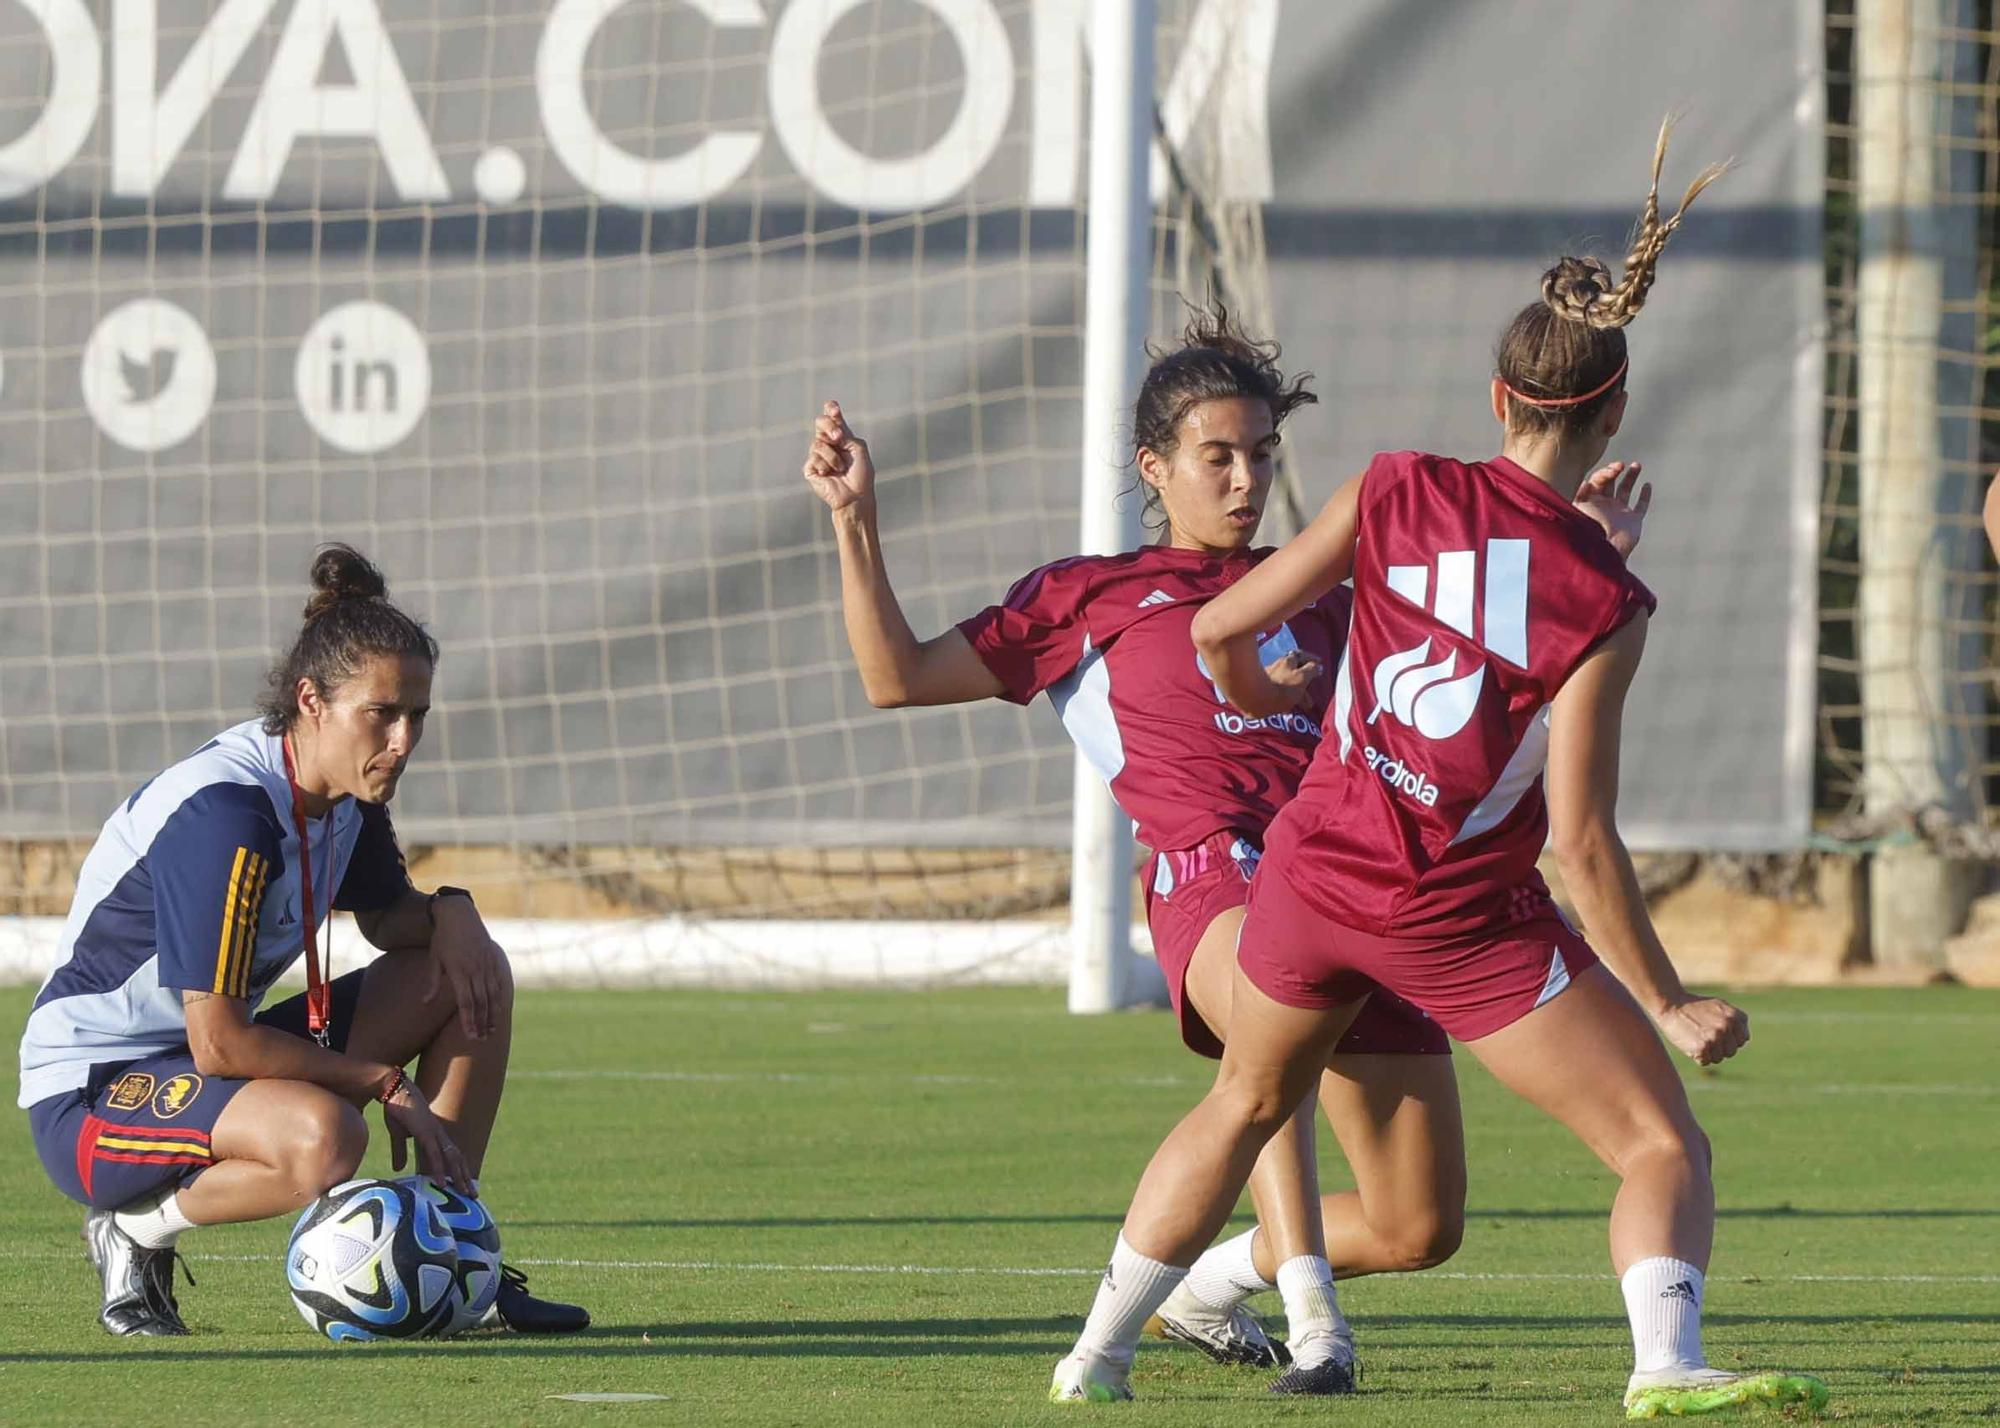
{"x":363,"y":377}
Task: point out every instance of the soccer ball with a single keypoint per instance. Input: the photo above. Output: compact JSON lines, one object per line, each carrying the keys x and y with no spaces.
{"x":371,"y":1259}
{"x":478,"y":1277}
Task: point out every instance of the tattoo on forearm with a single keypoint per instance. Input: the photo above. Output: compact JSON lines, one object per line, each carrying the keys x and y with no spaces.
{"x":187,"y":997}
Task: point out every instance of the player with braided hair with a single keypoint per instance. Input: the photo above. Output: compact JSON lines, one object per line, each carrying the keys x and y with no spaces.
{"x":1475,"y":718}
{"x":1597,"y":303}
{"x":1106,"y":637}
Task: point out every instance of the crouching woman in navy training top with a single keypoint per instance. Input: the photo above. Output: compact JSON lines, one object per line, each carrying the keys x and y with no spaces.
{"x":159,"y":1095}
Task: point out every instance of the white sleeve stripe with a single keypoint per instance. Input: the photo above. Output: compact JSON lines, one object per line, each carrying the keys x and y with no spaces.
{"x":1524,"y":766}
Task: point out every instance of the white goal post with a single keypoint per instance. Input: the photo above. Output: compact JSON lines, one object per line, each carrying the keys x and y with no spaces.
{"x":1116,"y":292}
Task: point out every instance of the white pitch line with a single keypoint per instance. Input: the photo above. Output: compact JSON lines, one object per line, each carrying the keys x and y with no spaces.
{"x":708,"y":1266}
{"x":1885,"y":1278}
{"x":698,"y":1266}
{"x":1890,"y":1088}
{"x":703,"y":1266}
{"x":773,"y":1078}
{"x":1014,"y":1272}
{"x":1864,"y":1018}
{"x":1704,"y":1085}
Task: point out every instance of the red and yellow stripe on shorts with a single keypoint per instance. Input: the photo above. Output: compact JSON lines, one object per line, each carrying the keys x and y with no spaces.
{"x":138,"y":1145}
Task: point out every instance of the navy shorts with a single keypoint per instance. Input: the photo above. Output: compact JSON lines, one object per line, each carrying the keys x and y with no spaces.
{"x":140,"y":1125}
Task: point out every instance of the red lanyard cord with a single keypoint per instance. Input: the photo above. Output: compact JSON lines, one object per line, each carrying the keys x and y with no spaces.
{"x":319,"y":1000}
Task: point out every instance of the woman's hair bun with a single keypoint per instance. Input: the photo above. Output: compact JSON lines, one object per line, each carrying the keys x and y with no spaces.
{"x":1574,"y":286}
{"x":348,"y":620}
{"x":340,"y":572}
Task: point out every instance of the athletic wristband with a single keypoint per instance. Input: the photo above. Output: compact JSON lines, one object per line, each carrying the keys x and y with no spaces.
{"x":397,"y":1080}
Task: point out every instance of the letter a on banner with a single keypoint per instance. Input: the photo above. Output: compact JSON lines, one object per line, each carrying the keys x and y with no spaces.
{"x":378,"y":105}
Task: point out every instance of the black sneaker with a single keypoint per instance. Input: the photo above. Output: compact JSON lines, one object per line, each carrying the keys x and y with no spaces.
{"x":515,"y":1308}
{"x":1327,"y":1377}
{"x":138,"y":1282}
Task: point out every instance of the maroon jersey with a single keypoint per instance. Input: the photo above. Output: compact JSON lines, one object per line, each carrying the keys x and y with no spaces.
{"x":1477,"y":591}
{"x":1110,"y":639}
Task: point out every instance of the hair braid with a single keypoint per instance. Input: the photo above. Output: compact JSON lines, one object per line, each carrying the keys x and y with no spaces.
{"x":1649,"y":240}
{"x":1562,"y":358}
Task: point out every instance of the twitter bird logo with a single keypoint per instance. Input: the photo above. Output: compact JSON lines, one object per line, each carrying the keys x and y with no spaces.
{"x":144,"y":381}
{"x":148,"y":375}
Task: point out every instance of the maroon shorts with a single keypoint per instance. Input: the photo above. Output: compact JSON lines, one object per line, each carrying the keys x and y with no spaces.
{"x":1472,"y":985}
{"x":1189,"y":889}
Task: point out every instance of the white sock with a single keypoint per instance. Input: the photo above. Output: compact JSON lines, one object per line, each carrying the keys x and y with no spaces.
{"x":1310,"y":1307}
{"x":155,"y":1223}
{"x":1132,"y":1288}
{"x":1663,"y":1300}
{"x":1227,"y":1275}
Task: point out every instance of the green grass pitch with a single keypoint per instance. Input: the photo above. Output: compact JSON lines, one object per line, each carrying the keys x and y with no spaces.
{"x":726,"y":1178}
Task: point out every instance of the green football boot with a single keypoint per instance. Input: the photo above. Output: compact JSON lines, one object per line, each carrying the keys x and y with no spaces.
{"x":1682,"y":1393}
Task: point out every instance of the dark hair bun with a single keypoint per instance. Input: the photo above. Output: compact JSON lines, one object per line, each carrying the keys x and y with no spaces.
{"x":340,"y":572}
{"x":348,"y":619}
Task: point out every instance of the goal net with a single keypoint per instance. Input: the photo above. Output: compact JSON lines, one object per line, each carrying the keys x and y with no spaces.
{"x":533,"y":301}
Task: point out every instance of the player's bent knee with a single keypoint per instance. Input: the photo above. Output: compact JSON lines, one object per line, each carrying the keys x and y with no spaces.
{"x":1409,"y":1236}
{"x":1679,"y":1148}
{"x":1428,"y":1243}
{"x":445,"y":999}
{"x":1694,"y":1146}
{"x":1258,"y":1104}
{"x":328,"y":1139}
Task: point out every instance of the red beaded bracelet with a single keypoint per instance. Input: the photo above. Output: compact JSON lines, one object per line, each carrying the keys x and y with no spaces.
{"x":396,"y":1081}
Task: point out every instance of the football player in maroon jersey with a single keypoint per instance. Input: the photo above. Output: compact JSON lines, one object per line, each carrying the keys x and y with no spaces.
{"x":1107,"y":637}
{"x":1476,"y":717}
